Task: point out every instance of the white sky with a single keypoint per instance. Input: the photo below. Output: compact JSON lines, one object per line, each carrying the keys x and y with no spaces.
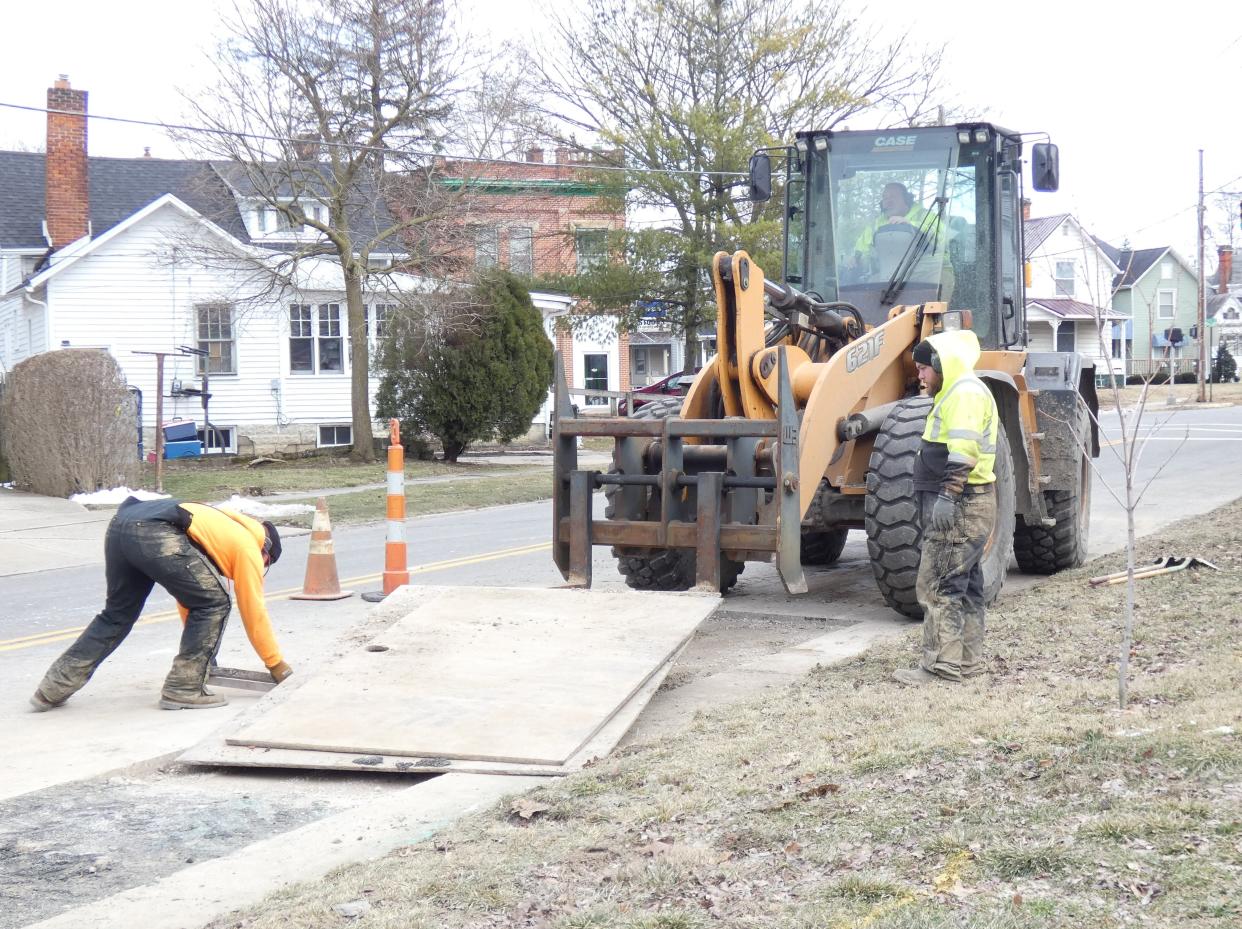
{"x":1129,"y":92}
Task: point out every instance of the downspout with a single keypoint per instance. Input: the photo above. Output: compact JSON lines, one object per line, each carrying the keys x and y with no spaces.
{"x":47,"y":322}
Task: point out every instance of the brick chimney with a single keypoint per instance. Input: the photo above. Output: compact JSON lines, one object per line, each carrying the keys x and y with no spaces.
{"x":1026,"y":208}
{"x":1224,"y":269}
{"x":534,"y":155}
{"x":65,"y":185}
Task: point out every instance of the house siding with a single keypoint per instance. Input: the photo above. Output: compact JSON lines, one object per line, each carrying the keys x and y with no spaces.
{"x":129,"y":296}
{"x":1143,"y":306}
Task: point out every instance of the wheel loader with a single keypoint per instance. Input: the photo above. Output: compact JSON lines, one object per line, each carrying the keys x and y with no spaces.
{"x":807,"y":421}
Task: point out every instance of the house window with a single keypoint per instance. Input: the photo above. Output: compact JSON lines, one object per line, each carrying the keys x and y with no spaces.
{"x":1065,"y":338}
{"x":1065,"y":278}
{"x":486,"y":247}
{"x":215,"y":337}
{"x":1166,"y":270}
{"x":591,"y":247}
{"x":1166,"y":304}
{"x":648,"y":363}
{"x":335,"y":434}
{"x":301,"y":338}
{"x":315,"y":341}
{"x":595,"y":376}
{"x":383,"y":311}
{"x":520,"y":251}
{"x":220,"y":440}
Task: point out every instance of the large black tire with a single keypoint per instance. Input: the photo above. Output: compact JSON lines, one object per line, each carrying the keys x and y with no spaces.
{"x":823,"y":548}
{"x":893,"y":523}
{"x":1041,"y":550}
{"x":663,"y":569}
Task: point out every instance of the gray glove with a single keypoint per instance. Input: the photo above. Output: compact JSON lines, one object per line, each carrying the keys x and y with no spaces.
{"x":944,"y":512}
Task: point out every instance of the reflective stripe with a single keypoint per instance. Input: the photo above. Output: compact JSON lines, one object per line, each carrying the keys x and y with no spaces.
{"x":966,"y":434}
{"x":396,"y":530}
{"x":396,"y":483}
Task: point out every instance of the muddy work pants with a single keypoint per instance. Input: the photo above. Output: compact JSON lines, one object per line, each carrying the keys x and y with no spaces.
{"x":138,"y":555}
{"x":950,"y":584}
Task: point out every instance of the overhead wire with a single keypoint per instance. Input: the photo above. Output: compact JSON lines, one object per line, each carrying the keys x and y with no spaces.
{"x":352,"y":146}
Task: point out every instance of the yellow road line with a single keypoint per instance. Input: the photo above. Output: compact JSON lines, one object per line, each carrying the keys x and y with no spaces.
{"x":61,"y":635}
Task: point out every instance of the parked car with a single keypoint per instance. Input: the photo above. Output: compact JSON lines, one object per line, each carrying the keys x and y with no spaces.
{"x":673,"y":385}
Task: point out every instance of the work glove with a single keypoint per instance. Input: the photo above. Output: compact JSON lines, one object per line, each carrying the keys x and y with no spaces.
{"x":280,"y":672}
{"x":944,"y":512}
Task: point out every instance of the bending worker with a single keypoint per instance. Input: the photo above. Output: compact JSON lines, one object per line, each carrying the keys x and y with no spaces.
{"x":956,"y":485}
{"x":186,"y":548}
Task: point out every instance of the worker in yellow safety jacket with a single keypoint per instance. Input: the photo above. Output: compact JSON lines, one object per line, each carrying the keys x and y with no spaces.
{"x":955,"y":481}
{"x":897,"y":207}
{"x":189,"y":549}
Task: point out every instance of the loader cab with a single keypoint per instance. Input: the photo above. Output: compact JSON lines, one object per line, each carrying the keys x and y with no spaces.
{"x":883,"y":218}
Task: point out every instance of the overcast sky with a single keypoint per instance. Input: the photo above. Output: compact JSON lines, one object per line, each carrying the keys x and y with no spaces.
{"x":1129,"y":92}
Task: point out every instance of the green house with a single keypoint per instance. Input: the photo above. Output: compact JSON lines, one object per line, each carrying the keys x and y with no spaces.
{"x":1158,"y":290}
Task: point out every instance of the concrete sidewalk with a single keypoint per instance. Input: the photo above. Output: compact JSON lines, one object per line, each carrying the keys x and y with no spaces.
{"x":41,"y":533}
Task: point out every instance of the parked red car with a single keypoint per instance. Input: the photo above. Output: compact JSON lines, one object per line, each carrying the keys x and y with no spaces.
{"x":675,"y":384}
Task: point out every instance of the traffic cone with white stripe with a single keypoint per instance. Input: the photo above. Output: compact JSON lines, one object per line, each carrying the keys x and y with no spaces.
{"x":322,"y":582}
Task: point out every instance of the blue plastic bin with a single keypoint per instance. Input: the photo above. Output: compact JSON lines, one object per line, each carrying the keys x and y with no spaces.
{"x":180,"y":431}
{"x":183,"y":449}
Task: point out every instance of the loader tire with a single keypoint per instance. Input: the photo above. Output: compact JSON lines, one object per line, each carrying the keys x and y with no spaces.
{"x":823,"y":547}
{"x":663,"y":569}
{"x":1041,"y":550}
{"x":894,"y":528}
{"x":894,"y":525}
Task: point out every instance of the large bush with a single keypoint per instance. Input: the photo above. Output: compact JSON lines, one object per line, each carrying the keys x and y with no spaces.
{"x":481,"y":380}
{"x":69,"y":423}
{"x":1224,"y":368}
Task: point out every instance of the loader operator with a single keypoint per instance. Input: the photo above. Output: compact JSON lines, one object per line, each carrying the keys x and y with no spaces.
{"x":186,"y":548}
{"x":897,"y":207}
{"x":956,"y":484}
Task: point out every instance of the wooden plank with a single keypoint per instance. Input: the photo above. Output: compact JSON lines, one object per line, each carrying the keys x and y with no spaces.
{"x":216,"y":752}
{"x":514,"y":675}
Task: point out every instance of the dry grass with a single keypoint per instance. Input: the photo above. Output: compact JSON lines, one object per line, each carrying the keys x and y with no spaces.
{"x":1024,"y":799}
{"x":1183,"y":394}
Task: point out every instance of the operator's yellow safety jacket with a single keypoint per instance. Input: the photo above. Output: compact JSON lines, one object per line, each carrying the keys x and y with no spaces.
{"x":915,"y":216}
{"x":233,"y":543}
{"x":959,"y":442}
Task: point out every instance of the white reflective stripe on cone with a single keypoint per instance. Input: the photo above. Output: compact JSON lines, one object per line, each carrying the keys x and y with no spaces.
{"x":396,"y":483}
{"x":396,"y":530}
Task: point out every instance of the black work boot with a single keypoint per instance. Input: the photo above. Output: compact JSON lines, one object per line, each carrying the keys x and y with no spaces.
{"x":183,"y":688}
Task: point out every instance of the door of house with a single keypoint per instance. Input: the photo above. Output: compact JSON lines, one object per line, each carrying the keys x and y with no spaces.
{"x":595,"y":376}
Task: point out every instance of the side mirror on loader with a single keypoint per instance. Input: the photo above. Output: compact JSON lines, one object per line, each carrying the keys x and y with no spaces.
{"x":1045,"y":167}
{"x":760,"y":178}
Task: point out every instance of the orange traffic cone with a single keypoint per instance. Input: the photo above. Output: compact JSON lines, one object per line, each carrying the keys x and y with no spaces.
{"x":321,"y":581}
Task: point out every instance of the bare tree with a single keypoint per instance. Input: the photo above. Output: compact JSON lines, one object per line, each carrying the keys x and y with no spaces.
{"x":683,"y":91}
{"x":1129,"y":447}
{"x":324,"y":119}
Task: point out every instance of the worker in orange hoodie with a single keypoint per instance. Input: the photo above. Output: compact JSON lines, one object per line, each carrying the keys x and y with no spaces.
{"x":189,"y":549}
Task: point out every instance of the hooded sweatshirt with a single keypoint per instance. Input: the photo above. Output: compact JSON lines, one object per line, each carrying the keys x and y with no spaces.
{"x":959,"y":441}
{"x":233,"y":543}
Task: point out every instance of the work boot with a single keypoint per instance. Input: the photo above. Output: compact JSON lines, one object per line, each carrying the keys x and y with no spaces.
{"x":183,"y":688}
{"x":63,"y":679}
{"x":916,"y":677}
{"x":42,"y":704}
{"x":204,"y":699}
{"x":280,"y":671}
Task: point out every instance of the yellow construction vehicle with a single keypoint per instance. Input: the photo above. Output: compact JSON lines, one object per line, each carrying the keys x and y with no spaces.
{"x":806,"y":423}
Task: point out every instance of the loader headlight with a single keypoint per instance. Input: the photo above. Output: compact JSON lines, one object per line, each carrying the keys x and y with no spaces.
{"x":821,"y":144}
{"x":981,"y":136}
{"x":963,"y":136}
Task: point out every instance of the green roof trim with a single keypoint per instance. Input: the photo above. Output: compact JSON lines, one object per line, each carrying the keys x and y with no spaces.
{"x":543,"y":186}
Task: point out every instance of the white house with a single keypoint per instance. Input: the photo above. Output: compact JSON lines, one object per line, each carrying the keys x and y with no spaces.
{"x":143,"y":255}
{"x":1069,"y":291}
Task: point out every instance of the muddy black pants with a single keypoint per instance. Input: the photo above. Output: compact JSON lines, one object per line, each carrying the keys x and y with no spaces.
{"x":950,"y":584}
{"x":139,"y":554}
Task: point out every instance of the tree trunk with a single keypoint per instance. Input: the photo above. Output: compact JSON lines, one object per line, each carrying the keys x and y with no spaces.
{"x":360,"y":367}
{"x":691,"y":317}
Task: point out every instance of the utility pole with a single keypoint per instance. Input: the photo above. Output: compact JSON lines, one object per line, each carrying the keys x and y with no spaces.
{"x":159,"y":415}
{"x":1202,"y":327}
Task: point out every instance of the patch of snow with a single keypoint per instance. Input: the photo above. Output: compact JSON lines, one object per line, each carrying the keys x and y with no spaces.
{"x":114,"y":496}
{"x":248,"y":506}
{"x":7,"y":486}
{"x":1221,"y":730}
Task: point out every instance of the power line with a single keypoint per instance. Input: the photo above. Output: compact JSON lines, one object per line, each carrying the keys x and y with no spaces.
{"x":231,"y":133}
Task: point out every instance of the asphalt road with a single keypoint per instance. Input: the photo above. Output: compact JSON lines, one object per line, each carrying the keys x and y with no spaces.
{"x":1188,"y":461}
